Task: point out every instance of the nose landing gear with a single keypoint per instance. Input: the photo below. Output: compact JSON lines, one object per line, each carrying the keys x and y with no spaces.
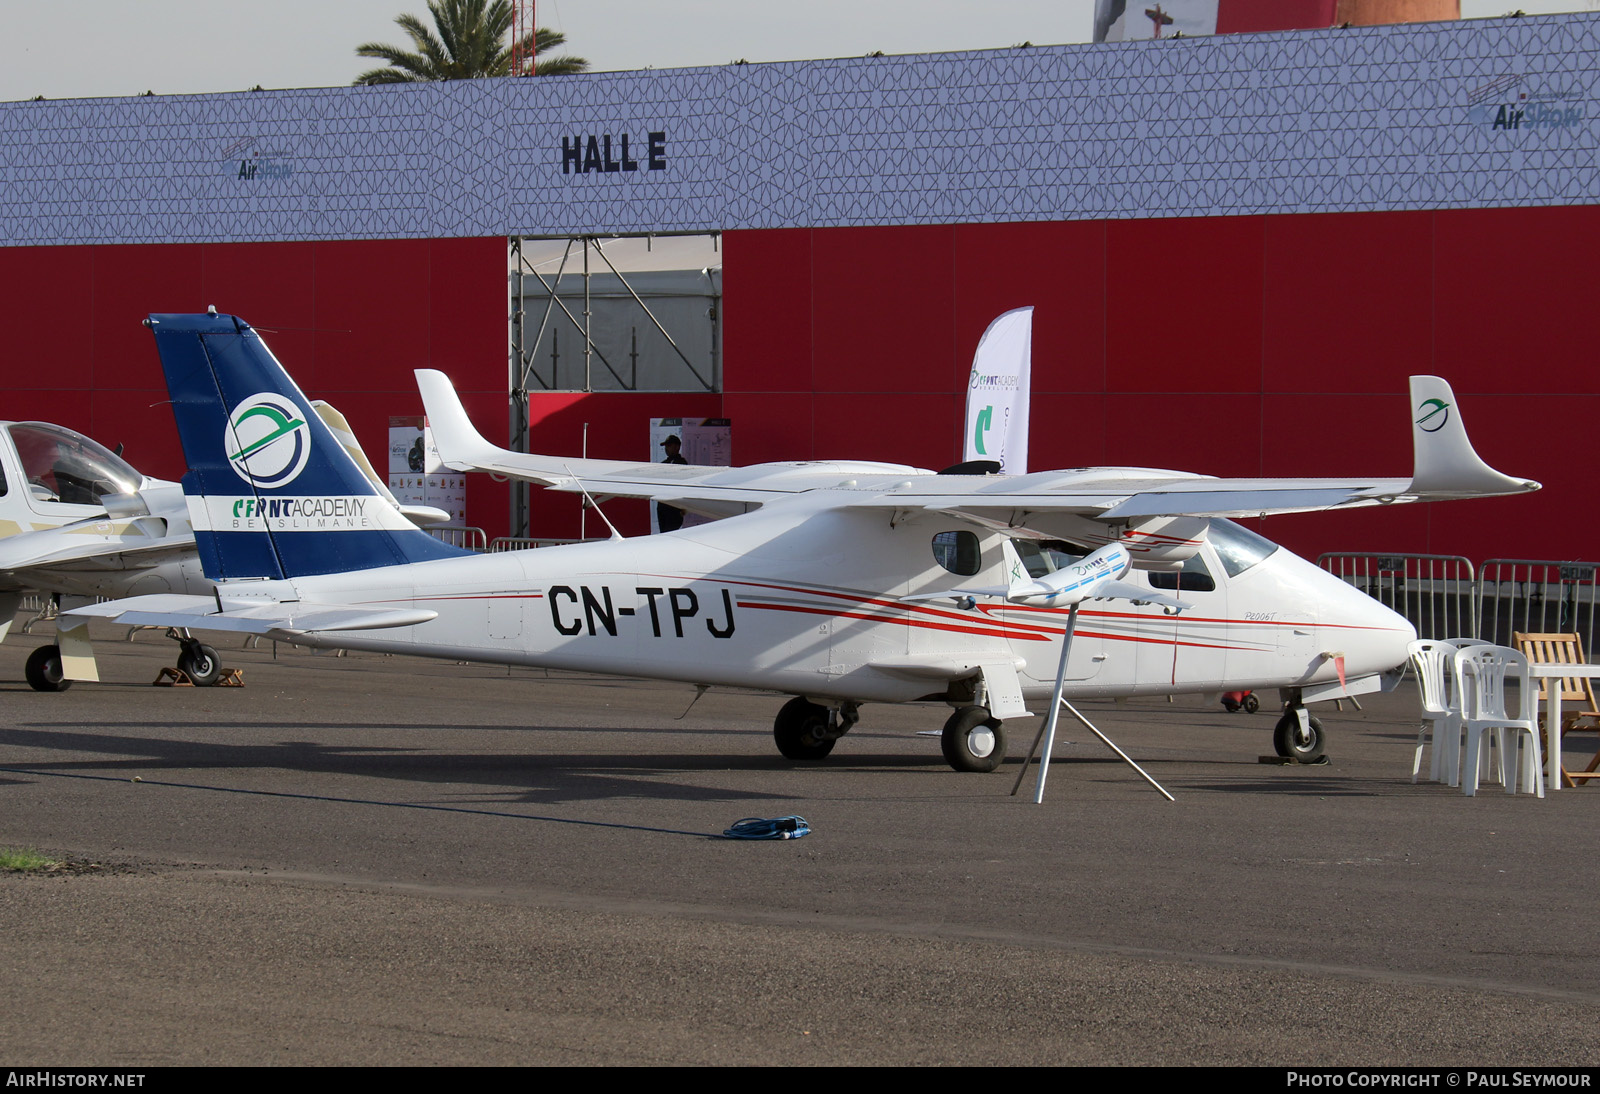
{"x":1298,"y":736}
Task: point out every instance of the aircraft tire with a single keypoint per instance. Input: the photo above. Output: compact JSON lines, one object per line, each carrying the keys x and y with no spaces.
{"x":800,"y":730}
{"x":1285,"y":738}
{"x":973,"y":741}
{"x":44,"y":670}
{"x":200,"y":664}
{"x":1251,"y":704}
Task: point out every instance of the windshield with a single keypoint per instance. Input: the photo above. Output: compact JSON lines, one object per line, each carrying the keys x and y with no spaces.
{"x":1237,"y":546}
{"x":64,"y":466}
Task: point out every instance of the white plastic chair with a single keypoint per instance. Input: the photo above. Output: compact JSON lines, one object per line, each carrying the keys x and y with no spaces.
{"x":1480,"y":676}
{"x":1434,"y":663}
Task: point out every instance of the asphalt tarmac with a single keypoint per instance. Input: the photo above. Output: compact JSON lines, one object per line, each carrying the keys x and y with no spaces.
{"x":379,"y":860}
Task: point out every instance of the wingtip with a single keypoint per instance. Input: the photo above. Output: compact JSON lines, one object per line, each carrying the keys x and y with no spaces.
{"x":1446,"y":465}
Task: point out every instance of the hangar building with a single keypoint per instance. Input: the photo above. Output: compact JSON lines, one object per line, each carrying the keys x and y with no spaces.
{"x":1238,"y":248}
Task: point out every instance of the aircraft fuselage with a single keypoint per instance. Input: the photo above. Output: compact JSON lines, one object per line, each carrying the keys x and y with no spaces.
{"x":754,"y":602}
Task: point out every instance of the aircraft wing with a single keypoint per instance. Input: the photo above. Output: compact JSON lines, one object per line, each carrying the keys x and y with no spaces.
{"x":714,"y":491}
{"x":1445,"y":466}
{"x":115,"y":542}
{"x":271,"y":619}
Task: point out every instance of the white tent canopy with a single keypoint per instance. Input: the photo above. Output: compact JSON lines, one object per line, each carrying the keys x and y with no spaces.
{"x":635,"y":287}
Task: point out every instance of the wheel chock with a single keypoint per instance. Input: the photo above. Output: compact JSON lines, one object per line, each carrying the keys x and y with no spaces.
{"x":1290,"y":761}
{"x":177,"y":678}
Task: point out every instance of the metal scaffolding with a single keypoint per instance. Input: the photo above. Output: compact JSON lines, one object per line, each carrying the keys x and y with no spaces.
{"x":642,"y":323}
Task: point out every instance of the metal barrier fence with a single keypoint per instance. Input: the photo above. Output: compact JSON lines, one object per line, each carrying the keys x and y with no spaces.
{"x":1518,"y":594}
{"x":523,"y":543}
{"x":473,"y":539}
{"x":1437,"y":594}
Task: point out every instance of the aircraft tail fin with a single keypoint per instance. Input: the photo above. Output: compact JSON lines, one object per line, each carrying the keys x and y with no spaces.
{"x":1446,"y":465}
{"x":420,"y":515}
{"x":271,"y":491}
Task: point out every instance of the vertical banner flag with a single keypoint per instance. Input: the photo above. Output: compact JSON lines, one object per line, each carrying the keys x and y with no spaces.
{"x":997,"y":393}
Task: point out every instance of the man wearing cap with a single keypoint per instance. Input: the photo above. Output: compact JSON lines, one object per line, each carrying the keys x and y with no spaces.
{"x":670,"y":517}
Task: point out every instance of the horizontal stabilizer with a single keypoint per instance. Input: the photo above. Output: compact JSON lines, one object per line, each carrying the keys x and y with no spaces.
{"x":269,"y":619}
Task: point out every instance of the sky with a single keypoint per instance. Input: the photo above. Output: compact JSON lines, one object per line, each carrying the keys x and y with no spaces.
{"x":94,"y":48}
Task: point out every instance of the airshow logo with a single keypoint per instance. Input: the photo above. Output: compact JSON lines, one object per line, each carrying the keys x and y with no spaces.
{"x":246,"y":161}
{"x":601,"y":152}
{"x":1434,"y":413}
{"x":1509,"y":104}
{"x":267,"y":441}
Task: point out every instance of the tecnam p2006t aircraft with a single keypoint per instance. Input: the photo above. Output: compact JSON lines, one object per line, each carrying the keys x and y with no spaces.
{"x":836,"y":583}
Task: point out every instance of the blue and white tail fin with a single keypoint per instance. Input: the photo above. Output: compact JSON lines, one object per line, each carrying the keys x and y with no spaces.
{"x":271,"y":492}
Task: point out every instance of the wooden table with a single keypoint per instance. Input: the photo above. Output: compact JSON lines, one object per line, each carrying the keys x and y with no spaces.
{"x":1544,"y":670}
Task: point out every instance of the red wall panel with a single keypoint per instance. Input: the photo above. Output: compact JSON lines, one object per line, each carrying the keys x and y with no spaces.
{"x":1060,"y":270}
{"x":1348,"y":301}
{"x":1184,"y":304}
{"x":892,"y":427}
{"x":273,"y":287}
{"x":767,"y":309}
{"x":53,"y":289}
{"x":1209,"y":434}
{"x":768,"y":428}
{"x":1515,"y":292}
{"x":373,"y":320}
{"x":882,"y":309}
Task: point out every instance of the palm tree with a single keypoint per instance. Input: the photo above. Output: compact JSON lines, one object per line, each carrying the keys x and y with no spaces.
{"x":469,"y":42}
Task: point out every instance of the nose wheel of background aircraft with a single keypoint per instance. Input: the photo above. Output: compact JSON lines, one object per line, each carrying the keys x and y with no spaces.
{"x":973,"y":741}
{"x":44,"y":670}
{"x":1304,"y":743}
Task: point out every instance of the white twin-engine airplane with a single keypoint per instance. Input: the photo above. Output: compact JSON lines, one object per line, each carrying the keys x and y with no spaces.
{"x":836,"y":583}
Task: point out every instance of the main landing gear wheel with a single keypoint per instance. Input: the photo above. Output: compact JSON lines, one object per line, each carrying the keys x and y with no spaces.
{"x":200,"y":664}
{"x":1302,"y":743}
{"x":801,"y":730}
{"x":973,"y":741}
{"x":44,"y":670}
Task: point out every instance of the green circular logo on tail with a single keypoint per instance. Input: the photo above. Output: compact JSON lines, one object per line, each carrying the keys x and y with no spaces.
{"x":267,"y":441}
{"x":1432,"y":415}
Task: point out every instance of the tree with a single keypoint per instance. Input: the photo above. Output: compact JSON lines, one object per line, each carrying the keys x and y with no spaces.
{"x":468,"y":40}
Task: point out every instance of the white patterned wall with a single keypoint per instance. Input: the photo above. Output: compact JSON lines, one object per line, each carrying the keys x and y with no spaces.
{"x":1361,"y":119}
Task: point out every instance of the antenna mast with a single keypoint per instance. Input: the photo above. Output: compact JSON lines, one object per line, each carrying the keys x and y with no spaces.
{"x":523,"y":51}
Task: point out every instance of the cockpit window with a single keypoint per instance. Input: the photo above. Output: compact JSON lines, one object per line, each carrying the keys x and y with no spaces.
{"x":958,"y":552}
{"x":1193,"y":578}
{"x":62,"y":466}
{"x":1046,"y":556}
{"x":1238,"y":547}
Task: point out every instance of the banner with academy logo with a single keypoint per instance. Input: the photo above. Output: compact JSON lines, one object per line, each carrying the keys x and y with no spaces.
{"x":998,"y":393}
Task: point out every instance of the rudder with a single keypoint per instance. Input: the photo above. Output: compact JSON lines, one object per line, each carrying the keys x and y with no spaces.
{"x":271,"y":492}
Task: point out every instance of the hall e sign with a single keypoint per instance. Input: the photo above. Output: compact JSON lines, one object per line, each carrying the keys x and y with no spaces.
{"x":606,"y":152}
